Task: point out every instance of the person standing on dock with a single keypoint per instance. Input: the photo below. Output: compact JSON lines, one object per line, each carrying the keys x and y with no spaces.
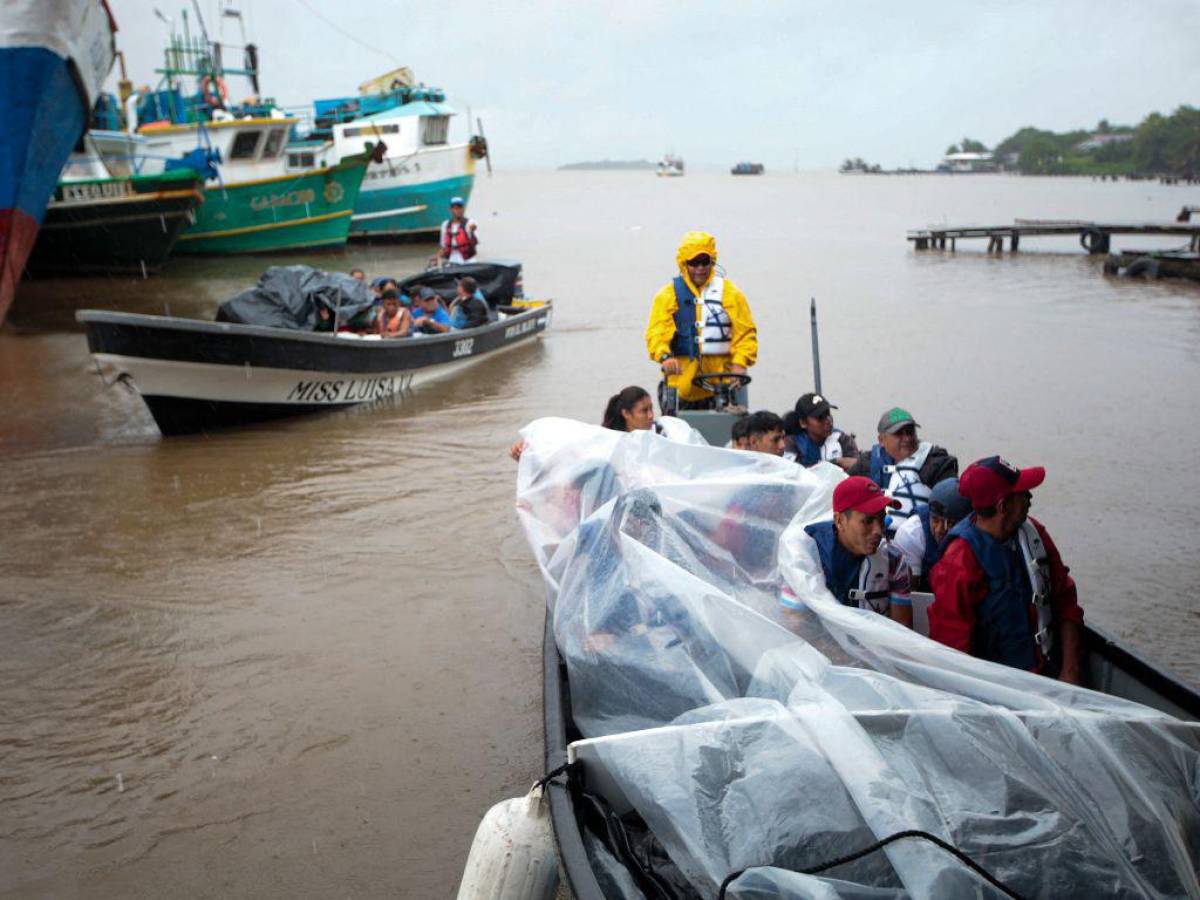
{"x":459,"y":236}
{"x":1001,"y":591}
{"x":700,"y":323}
{"x":905,"y":467}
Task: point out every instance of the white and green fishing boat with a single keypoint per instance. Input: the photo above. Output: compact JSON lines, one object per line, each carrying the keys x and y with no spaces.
{"x":254,"y":201}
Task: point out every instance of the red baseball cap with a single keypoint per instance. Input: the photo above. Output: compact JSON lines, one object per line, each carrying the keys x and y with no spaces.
{"x":988,"y":481}
{"x":862,"y":494}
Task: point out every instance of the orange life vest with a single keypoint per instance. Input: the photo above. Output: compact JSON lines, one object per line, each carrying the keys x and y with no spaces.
{"x":456,"y":236}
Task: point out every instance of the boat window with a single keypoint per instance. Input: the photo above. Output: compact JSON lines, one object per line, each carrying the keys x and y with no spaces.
{"x":245,"y":144}
{"x":434,"y":129}
{"x":370,"y":130}
{"x":274,"y":143}
{"x":301,"y":160}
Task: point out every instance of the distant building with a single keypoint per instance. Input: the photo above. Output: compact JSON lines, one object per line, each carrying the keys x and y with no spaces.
{"x":968,"y":163}
{"x":1096,"y":141}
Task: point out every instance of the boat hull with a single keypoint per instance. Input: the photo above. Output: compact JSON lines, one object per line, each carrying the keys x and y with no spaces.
{"x":115,"y":225}
{"x":198,"y":376}
{"x":293,"y":212}
{"x":410,"y":197}
{"x":54,"y":55}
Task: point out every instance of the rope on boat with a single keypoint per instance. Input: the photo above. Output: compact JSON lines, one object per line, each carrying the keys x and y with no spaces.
{"x":564,"y":769}
{"x":858,"y":854}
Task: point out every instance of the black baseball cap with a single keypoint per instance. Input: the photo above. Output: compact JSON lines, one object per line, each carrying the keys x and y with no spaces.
{"x":814,"y":405}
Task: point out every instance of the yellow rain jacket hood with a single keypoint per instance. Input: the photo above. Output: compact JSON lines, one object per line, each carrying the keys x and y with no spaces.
{"x":661,"y":328}
{"x":694,"y":244}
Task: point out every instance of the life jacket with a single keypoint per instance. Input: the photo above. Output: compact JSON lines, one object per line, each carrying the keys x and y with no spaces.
{"x":1018,"y":574}
{"x":902,"y":479}
{"x":865,"y":584}
{"x":932,"y":548}
{"x":709,"y":333}
{"x":456,"y":236}
{"x":383,"y":325}
{"x":809,"y":452}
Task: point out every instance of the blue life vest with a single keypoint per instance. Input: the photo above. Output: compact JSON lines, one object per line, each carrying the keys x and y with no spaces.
{"x":1002,"y":631}
{"x":808,"y":453}
{"x":860,"y":581}
{"x":933,"y":550}
{"x":879,"y":459}
{"x":686,"y":341}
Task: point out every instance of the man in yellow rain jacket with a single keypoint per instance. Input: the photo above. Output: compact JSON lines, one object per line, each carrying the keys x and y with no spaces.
{"x":700,"y":322}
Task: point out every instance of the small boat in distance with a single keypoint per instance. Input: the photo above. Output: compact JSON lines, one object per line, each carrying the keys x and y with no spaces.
{"x":54,"y":57}
{"x":747,"y":168}
{"x":670,"y":166}
{"x":199,"y":376}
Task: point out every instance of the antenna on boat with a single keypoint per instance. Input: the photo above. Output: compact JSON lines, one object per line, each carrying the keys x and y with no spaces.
{"x":487,"y":159}
{"x":816,"y":346}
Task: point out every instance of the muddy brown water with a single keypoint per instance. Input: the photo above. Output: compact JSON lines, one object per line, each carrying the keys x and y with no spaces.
{"x":303,"y":659}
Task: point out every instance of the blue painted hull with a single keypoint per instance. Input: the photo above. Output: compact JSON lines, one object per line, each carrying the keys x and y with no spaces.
{"x":434,"y":196}
{"x":41,"y":118}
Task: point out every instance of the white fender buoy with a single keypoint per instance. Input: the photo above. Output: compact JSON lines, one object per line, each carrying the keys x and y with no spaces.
{"x":513,"y":855}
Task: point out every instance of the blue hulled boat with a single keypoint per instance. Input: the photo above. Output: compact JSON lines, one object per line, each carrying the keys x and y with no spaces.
{"x":54,"y":57}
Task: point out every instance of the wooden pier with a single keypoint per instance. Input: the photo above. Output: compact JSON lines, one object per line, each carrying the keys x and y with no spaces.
{"x":1094,"y":237}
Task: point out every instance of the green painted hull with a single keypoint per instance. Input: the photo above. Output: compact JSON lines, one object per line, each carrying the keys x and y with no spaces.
{"x":297,"y":212}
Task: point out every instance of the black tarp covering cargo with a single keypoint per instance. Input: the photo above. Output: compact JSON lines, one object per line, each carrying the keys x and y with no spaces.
{"x":499,"y":280}
{"x":289,"y":297}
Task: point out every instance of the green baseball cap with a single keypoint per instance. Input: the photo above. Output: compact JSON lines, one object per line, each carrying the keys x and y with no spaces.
{"x":895,"y":419}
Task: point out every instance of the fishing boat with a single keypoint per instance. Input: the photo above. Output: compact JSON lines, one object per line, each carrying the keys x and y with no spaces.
{"x":255,"y":202}
{"x":670,"y":166}
{"x":702,"y":741}
{"x":408,"y":190}
{"x":54,"y":57}
{"x":198,"y":376}
{"x":747,"y":168}
{"x":104,"y":218}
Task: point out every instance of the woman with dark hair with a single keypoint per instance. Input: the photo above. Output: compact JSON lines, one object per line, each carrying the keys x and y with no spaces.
{"x":631,"y":409}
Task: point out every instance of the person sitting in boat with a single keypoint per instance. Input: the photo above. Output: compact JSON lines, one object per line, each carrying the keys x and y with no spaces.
{"x":1000,"y":590}
{"x":469,"y":309}
{"x":428,"y":315}
{"x":764,"y":433}
{"x":920,"y":537}
{"x":630,"y":409}
{"x":739,"y":434}
{"x":861,"y":567}
{"x":358,"y":274}
{"x":811,"y":436}
{"x":392,"y":320}
{"x":902,"y":465}
{"x":699,"y":323}
{"x":459,"y":235}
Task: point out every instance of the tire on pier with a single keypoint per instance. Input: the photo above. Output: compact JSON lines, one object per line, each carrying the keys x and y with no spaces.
{"x":1093,"y":240}
{"x":1142,"y":267}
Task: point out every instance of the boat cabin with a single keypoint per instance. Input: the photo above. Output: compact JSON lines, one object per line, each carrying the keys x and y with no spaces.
{"x":251,"y":148}
{"x":404,"y":129}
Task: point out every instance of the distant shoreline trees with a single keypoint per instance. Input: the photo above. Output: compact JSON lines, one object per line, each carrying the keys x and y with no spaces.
{"x":1158,"y":146}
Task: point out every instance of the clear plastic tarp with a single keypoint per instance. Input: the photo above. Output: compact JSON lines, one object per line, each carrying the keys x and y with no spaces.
{"x":750,"y":735}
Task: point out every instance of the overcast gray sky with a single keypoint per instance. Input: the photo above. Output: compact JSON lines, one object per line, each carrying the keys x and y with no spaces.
{"x":723,"y":81}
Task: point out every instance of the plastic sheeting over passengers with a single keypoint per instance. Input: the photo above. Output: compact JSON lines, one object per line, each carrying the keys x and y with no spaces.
{"x":290,"y":296}
{"x":749,"y":735}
